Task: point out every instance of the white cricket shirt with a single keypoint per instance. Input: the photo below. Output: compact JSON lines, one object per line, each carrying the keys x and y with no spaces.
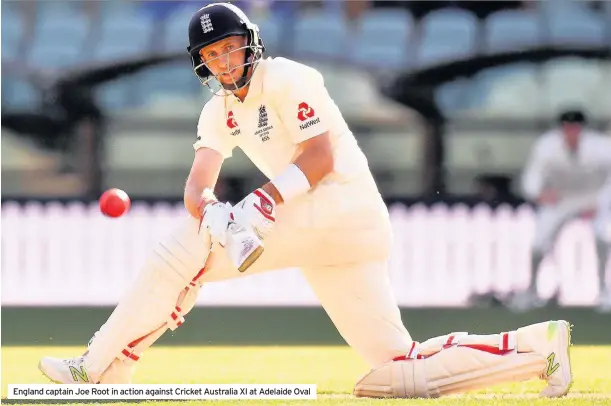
{"x":552,"y":165}
{"x":287,"y":103}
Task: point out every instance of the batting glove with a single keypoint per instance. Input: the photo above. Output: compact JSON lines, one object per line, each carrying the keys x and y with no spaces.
{"x":258,"y":210}
{"x":216,"y":218}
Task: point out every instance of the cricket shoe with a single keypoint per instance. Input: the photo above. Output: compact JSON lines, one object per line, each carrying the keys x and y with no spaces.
{"x":65,"y":371}
{"x":552,"y":339}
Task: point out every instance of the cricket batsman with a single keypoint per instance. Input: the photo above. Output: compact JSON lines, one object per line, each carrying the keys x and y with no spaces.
{"x":565,"y":177}
{"x":321,"y":212}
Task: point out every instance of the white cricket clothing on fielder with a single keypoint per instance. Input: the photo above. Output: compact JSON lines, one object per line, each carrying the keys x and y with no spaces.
{"x":578,"y":177}
{"x":602,"y":222}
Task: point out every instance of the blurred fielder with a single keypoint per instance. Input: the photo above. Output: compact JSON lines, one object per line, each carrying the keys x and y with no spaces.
{"x":565,"y":177}
{"x":602,"y":228}
{"x":321,"y":211}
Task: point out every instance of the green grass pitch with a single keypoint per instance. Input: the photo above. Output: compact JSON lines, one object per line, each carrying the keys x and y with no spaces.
{"x":333,"y":369}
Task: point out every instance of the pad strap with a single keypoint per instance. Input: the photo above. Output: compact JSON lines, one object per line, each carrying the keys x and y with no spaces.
{"x":186,"y":301}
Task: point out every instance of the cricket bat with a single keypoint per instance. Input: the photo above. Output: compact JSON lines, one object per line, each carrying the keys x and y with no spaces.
{"x":244,"y":246}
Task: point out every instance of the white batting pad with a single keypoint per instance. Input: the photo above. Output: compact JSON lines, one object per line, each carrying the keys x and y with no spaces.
{"x":451,"y":371}
{"x":152,"y":301}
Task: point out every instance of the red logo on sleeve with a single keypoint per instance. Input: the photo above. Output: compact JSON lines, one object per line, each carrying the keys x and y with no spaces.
{"x":304,"y":111}
{"x":231,"y":122}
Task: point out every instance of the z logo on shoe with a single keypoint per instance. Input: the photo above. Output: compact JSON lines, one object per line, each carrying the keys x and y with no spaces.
{"x":76,"y":374}
{"x":551,"y":365}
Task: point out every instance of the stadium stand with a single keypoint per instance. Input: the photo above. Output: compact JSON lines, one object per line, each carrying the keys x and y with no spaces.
{"x":70,"y":33}
{"x":509,"y":30}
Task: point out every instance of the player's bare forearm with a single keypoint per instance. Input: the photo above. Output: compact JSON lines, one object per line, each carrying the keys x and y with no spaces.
{"x":196,"y":198}
{"x":314,"y":159}
{"x":271,"y":190}
{"x":202,"y":180}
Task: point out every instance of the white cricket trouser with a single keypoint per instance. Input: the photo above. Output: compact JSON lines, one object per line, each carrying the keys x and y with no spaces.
{"x":602,"y":222}
{"x":551,"y":219}
{"x":340,"y":237}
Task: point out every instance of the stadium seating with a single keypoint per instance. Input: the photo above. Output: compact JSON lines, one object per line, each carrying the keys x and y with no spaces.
{"x":510,"y":90}
{"x":53,"y":57}
{"x":566,"y":81}
{"x":153,"y":82}
{"x":175,"y":29}
{"x":65,"y":34}
{"x":383,"y":39}
{"x":124,"y":35}
{"x":574,"y":23}
{"x":451,"y":97}
{"x":117,"y":95}
{"x":270,"y":28}
{"x":19,"y":94}
{"x":60,"y":28}
{"x":607,"y":18}
{"x":12,"y":32}
{"x":320,"y":34}
{"x":447,"y":34}
{"x":511,"y":30}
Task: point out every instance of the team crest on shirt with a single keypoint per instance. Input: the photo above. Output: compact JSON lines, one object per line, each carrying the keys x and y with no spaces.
{"x":232,"y":124}
{"x":305,"y":112}
{"x":263,"y":127}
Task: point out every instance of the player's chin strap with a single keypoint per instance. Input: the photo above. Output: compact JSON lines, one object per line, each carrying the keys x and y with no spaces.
{"x":240,"y":83}
{"x":251,"y":58}
{"x":248,"y":67}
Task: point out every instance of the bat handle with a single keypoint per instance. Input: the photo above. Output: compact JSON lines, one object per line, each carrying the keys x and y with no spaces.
{"x":244,"y":246}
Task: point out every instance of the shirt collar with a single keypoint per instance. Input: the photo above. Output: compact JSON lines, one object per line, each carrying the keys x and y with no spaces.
{"x":255,"y":88}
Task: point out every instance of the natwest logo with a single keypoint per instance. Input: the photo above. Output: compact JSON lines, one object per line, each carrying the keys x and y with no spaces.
{"x":309,"y":123}
{"x":231,"y":122}
{"x":304,"y":111}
